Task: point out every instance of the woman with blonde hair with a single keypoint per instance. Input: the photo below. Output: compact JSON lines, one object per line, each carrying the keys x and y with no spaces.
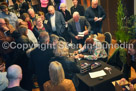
{"x":39,"y":27}
{"x":61,"y":52}
{"x":57,"y":79}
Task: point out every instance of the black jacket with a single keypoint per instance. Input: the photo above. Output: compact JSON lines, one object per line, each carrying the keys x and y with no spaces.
{"x":89,"y":14}
{"x":67,"y":15}
{"x":79,"y":9}
{"x":39,"y":63}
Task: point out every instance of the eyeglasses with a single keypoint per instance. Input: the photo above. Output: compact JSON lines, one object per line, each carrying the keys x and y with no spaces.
{"x":2,"y":23}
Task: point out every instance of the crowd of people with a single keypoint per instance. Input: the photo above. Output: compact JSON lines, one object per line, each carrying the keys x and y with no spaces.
{"x":33,"y":40}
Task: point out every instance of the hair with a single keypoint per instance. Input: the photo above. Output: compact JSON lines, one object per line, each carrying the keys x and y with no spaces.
{"x":24,"y":16}
{"x":30,"y":9}
{"x":43,"y":37}
{"x":89,"y":40}
{"x":53,"y":37}
{"x":37,"y":17}
{"x":14,"y":72}
{"x":76,"y":14}
{"x":61,"y":49}
{"x":7,"y":21}
{"x":40,"y":13}
{"x":133,"y":42}
{"x":22,"y":30}
{"x":62,"y":5}
{"x":56,"y":72}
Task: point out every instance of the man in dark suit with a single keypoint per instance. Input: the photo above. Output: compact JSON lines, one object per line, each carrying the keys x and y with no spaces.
{"x":77,"y":7}
{"x":95,"y":15}
{"x":56,"y":21}
{"x":77,"y":24}
{"x":39,"y":60}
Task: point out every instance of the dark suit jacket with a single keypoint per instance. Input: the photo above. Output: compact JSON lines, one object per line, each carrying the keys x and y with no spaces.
{"x":89,"y":14}
{"x":59,"y":22}
{"x":79,"y":9}
{"x":72,"y":26}
{"x":67,"y":15}
{"x":39,"y":64}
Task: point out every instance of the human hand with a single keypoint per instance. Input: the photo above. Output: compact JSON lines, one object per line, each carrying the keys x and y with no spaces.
{"x":100,"y":19}
{"x":75,"y":52}
{"x":95,"y":18}
{"x":81,"y":56}
{"x":86,"y":32}
{"x":77,"y":37}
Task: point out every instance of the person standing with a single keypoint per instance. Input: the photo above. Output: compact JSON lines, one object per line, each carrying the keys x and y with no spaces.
{"x":56,"y":21}
{"x":95,"y":15}
{"x":77,"y":7}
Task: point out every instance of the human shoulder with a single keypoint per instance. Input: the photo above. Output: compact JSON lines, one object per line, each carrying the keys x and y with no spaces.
{"x":47,"y":84}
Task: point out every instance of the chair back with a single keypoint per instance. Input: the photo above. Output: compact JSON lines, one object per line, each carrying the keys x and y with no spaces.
{"x":108,"y":37}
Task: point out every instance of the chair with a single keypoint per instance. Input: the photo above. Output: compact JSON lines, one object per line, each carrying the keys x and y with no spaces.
{"x":108,"y":37}
{"x":106,"y":47}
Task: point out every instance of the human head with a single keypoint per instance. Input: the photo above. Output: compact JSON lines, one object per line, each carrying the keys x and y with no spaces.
{"x":2,"y":23}
{"x":63,"y":6}
{"x":51,"y":9}
{"x":4,"y":9}
{"x":40,"y":13}
{"x":44,"y":38}
{"x":132,"y":47}
{"x":89,"y":40}
{"x":94,"y":3}
{"x":2,"y":65}
{"x":75,"y":2}
{"x":54,"y":39}
{"x":56,"y":72}
{"x":76,"y":16}
{"x":31,"y":13}
{"x":23,"y":30}
{"x":14,"y":73}
{"x":38,"y":21}
{"x":25,"y":17}
{"x":61,"y":49}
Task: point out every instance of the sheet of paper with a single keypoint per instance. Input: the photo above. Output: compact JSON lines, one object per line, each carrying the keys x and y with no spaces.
{"x":97,"y":74}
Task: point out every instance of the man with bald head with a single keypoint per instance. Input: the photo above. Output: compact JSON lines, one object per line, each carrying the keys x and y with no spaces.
{"x":95,"y":15}
{"x":77,"y":24}
{"x":56,"y":21}
{"x":14,"y":75}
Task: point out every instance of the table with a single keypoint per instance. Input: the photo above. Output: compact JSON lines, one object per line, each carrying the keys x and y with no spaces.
{"x":95,"y":84}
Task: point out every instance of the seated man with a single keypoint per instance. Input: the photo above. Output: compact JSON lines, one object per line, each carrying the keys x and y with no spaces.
{"x":77,"y":24}
{"x":94,"y":47}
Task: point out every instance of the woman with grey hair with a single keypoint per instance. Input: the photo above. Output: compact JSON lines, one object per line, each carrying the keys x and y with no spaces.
{"x":61,"y":55}
{"x":57,"y":79}
{"x":65,"y":12}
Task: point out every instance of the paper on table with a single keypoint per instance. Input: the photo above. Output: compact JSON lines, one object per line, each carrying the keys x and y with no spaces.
{"x":97,"y":74}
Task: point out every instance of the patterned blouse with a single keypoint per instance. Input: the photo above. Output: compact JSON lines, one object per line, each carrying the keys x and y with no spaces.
{"x":96,"y":50}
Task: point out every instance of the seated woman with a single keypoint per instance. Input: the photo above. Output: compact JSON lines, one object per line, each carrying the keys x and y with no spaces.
{"x":61,"y":52}
{"x":26,"y":18}
{"x":39,"y":27}
{"x":58,"y":81}
{"x":131,"y":59}
{"x":94,"y":47}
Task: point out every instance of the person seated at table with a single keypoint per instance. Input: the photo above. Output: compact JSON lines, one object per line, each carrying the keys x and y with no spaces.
{"x":57,"y":80}
{"x":94,"y":47}
{"x":61,"y":55}
{"x":131,"y":59}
